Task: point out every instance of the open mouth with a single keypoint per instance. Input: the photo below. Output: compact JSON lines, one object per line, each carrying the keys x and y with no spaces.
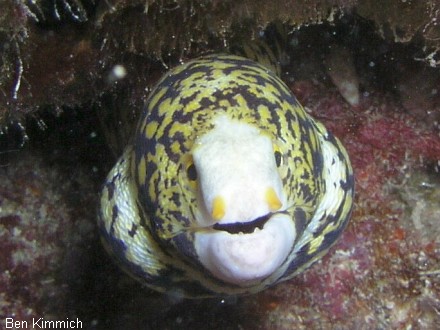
{"x":250,"y":256}
{"x":244,"y":227}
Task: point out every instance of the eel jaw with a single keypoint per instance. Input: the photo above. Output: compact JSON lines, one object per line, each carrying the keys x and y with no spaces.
{"x":246,"y":258}
{"x":238,"y":180}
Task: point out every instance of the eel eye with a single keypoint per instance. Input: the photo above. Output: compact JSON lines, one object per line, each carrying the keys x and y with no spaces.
{"x":278,"y":157}
{"x":191,"y":172}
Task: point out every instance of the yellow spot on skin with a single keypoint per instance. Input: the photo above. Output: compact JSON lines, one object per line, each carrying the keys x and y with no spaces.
{"x":218,"y":208}
{"x":315,"y":244}
{"x":272,"y":199}
{"x":151,"y":128}
{"x":175,"y":147}
{"x":142,"y":170}
{"x":164,"y":106}
{"x":157,"y":95}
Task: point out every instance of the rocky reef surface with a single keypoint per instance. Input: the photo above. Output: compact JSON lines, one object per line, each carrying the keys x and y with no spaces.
{"x":383,"y":273}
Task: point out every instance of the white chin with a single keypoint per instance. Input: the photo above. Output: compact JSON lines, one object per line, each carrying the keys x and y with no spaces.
{"x":243,"y":259}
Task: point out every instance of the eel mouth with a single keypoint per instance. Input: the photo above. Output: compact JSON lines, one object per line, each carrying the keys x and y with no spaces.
{"x":245,"y":227}
{"x":238,"y":253}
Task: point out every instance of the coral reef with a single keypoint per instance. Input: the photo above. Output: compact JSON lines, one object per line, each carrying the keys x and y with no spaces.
{"x":404,"y":21}
{"x":384,"y":272}
{"x":60,"y":53}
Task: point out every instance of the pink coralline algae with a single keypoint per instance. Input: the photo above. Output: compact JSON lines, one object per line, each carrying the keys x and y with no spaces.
{"x":38,"y":226}
{"x":384,"y":272}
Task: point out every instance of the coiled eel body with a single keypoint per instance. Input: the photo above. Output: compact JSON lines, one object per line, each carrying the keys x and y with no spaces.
{"x":229,"y":186}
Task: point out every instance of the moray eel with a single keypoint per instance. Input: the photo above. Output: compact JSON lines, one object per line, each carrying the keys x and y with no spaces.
{"x":229,"y":186}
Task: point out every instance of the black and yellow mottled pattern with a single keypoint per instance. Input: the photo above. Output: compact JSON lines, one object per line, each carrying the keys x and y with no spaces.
{"x":148,"y":203}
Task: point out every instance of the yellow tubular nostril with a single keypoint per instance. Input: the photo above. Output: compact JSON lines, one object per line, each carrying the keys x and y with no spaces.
{"x":272,"y":199}
{"x":218,"y":208}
